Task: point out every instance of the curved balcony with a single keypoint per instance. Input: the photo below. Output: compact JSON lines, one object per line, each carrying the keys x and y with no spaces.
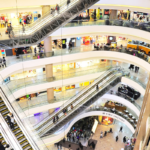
{"x":89,"y":111}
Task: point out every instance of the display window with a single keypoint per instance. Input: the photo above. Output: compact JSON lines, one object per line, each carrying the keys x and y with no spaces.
{"x":107,"y":120}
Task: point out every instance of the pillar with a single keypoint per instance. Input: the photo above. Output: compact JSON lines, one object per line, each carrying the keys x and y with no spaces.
{"x":113,"y":14}
{"x":48,"y":46}
{"x":45,"y":9}
{"x":51,"y":110}
{"x":48,"y":53}
{"x":50,"y":95}
{"x":144,"y":114}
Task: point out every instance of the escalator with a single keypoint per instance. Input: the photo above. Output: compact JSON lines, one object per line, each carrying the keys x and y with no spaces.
{"x":4,"y":143}
{"x":84,"y":97}
{"x":46,"y":25}
{"x":17,"y":131}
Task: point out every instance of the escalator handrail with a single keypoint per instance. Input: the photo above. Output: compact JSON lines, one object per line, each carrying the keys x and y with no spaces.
{"x":68,"y":102}
{"x":20,"y":121}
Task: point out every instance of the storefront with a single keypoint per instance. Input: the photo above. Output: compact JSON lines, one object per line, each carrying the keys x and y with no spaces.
{"x":140,"y":16}
{"x":104,"y":120}
{"x":28,"y":73}
{"x":11,"y":16}
{"x":123,"y":14}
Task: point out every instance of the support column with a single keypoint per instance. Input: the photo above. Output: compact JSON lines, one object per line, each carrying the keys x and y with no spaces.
{"x":48,"y":46}
{"x":113,"y":14}
{"x":144,"y":114}
{"x":45,"y":9}
{"x":48,"y":53}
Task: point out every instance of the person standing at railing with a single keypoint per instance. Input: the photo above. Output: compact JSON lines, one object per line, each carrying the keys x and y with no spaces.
{"x":23,"y":28}
{"x":4,"y":62}
{"x":57,"y":8}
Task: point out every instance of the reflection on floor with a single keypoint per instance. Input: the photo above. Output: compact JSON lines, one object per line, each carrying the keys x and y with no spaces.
{"x":108,"y":142}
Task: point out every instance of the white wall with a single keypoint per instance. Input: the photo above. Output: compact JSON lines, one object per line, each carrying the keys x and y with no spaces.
{"x":60,"y":135}
{"x":133,"y":84}
{"x":121,"y":100}
{"x":81,"y":31}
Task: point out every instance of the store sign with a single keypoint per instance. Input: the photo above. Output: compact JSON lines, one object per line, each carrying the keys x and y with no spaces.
{"x":114,"y":116}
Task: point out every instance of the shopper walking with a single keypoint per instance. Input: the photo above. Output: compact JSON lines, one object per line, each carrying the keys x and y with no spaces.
{"x":124,"y":139}
{"x":121,"y":129}
{"x":110,"y":130}
{"x":116,"y":138}
{"x":105,"y":133}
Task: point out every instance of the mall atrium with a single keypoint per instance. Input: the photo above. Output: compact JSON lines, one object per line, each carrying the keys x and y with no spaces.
{"x":74,"y":75}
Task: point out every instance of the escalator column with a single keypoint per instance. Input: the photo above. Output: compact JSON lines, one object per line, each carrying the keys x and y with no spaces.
{"x":48,"y":53}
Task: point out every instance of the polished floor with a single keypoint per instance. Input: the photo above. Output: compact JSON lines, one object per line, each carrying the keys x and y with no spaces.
{"x":108,"y":142}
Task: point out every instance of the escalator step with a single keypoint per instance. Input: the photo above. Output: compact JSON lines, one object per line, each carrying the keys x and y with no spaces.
{"x":19,"y":133}
{"x":21,"y":137}
{"x":26,"y":146}
{"x":23,"y":142}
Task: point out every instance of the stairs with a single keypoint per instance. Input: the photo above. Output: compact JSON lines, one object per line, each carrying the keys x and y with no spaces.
{"x":46,"y":25}
{"x":84,"y":98}
{"x":17,"y":131}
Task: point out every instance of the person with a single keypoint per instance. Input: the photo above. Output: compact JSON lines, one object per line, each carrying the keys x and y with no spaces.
{"x":53,"y":119}
{"x":23,"y":28}
{"x":128,"y":14}
{"x":136,"y":69}
{"x":116,"y":138}
{"x":105,"y":133}
{"x":57,"y":117}
{"x":68,"y":2}
{"x":1,"y":62}
{"x":64,"y":111}
{"x":35,"y":51}
{"x":70,"y":45}
{"x":101,"y":136}
{"x":4,"y":62}
{"x":0,"y":34}
{"x":29,"y":97}
{"x":110,"y":130}
{"x":12,"y":123}
{"x":9,"y":118}
{"x":80,"y":145}
{"x":97,"y":88}
{"x":71,"y":106}
{"x":121,"y":129}
{"x":57,"y":8}
{"x":124,"y":139}
{"x":1,"y":146}
{"x":9,"y":29}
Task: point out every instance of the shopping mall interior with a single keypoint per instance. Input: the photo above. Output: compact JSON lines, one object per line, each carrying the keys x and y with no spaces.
{"x":74,"y":75}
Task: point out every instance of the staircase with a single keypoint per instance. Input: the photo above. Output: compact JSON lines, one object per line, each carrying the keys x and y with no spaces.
{"x":46,"y":25}
{"x":17,"y":131}
{"x":82,"y":98}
